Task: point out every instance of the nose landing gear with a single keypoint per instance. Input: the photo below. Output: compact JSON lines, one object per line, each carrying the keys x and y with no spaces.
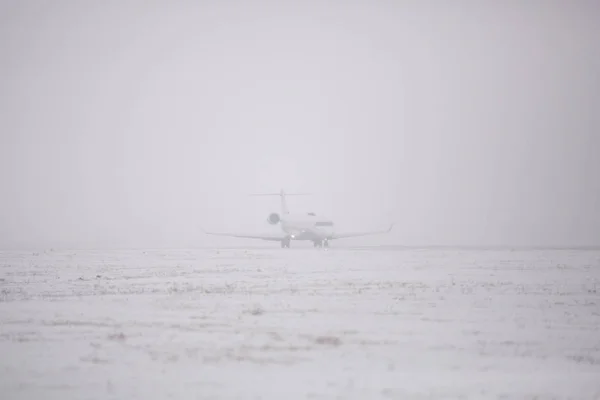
{"x":285,"y":243}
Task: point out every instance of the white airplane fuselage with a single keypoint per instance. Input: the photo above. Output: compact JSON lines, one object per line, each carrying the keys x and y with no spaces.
{"x":307,"y":227}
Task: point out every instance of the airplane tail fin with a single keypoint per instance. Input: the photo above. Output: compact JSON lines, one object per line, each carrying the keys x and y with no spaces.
{"x":282,"y":194}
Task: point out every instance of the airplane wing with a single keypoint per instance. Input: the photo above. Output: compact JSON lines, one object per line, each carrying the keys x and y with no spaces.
{"x":275,"y":237}
{"x":355,"y":234}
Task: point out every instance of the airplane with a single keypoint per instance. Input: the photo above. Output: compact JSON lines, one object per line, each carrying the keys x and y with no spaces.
{"x":304,"y":226}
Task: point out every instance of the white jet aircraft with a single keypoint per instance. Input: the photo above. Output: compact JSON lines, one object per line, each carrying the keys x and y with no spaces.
{"x":308,"y":226}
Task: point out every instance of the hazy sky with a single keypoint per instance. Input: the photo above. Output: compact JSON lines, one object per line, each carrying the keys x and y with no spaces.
{"x":133,"y":124}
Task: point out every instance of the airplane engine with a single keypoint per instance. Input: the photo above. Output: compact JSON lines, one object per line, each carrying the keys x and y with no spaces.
{"x":273,"y":218}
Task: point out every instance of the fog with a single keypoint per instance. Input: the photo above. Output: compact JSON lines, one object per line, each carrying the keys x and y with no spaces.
{"x":134,"y":124}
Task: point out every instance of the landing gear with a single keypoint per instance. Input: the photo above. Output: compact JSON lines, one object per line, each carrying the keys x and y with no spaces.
{"x":321,"y":243}
{"x":285,"y":243}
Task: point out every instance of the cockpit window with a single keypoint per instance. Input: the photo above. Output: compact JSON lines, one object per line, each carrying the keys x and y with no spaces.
{"x":312,"y":214}
{"x":324,"y":223}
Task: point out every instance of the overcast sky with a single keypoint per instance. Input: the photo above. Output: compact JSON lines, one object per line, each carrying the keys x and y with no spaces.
{"x":133,"y":124}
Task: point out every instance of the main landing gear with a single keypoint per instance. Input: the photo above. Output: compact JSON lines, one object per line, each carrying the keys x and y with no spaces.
{"x":321,"y":243}
{"x":285,"y":243}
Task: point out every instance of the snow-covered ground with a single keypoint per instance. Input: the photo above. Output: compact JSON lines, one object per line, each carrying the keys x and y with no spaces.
{"x":300,"y":323}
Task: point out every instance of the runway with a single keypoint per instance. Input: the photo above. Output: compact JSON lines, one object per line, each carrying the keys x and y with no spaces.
{"x":347,"y":323}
